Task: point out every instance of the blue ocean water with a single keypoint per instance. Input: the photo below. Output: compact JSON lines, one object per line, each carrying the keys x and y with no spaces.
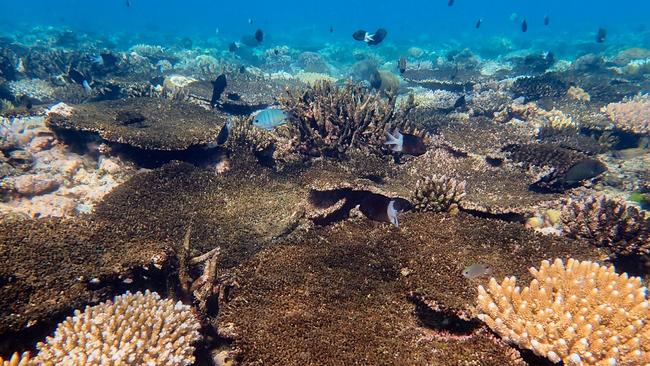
{"x":299,"y":23}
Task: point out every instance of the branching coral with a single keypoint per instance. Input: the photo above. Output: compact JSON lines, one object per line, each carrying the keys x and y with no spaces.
{"x":609,"y":223}
{"x":135,"y":329}
{"x":578,"y":94}
{"x":581,"y":313}
{"x":438,"y":193}
{"x":18,"y":360}
{"x":535,"y":115}
{"x":632,"y":115}
{"x":332,"y":119}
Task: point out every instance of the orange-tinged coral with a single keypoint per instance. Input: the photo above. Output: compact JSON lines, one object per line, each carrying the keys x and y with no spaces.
{"x":582,"y":314}
{"x":631,"y":115}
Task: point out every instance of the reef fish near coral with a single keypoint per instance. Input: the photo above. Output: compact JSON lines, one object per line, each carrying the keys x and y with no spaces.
{"x":270,"y":118}
{"x":583,"y":170}
{"x":218,"y":86}
{"x":405,"y":143}
{"x":378,"y":207}
{"x":370,"y":39}
{"x":476,"y":270}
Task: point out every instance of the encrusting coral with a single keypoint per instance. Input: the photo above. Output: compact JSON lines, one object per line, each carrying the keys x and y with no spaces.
{"x":609,"y":223}
{"x":631,"y":115}
{"x":134,"y":329}
{"x":438,"y":193}
{"x":581,"y":314}
{"x":332,"y":119}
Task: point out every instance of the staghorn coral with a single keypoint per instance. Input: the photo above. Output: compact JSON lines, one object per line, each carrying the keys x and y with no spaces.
{"x":438,"y":193}
{"x":332,"y":119}
{"x":133,"y":329}
{"x":631,"y":115}
{"x":608,"y":223}
{"x":18,"y":360}
{"x":581,"y":313}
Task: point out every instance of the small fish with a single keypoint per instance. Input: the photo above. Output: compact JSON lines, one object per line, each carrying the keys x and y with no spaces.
{"x":405,"y":143}
{"x":97,"y":60}
{"x":378,"y":207}
{"x":218,"y":86}
{"x":547,"y":20}
{"x":601,"y":35}
{"x":476,"y":270}
{"x":222,"y":137}
{"x":478,"y":23}
{"x":259,"y":36}
{"x":331,"y":29}
{"x":524,"y":26}
{"x":76,"y":76}
{"x":450,"y":3}
{"x":216,"y":31}
{"x":375,"y":80}
{"x":233,"y":47}
{"x":250,"y":20}
{"x":401,"y":65}
{"x":371,"y":39}
{"x":270,"y":118}
{"x":128,"y":3}
{"x":87,"y":87}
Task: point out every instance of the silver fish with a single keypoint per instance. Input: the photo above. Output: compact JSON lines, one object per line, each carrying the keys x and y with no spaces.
{"x":270,"y":118}
{"x":476,"y":270}
{"x":87,"y":87}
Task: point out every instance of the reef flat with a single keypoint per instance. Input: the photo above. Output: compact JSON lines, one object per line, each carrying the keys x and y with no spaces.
{"x":324,"y":207}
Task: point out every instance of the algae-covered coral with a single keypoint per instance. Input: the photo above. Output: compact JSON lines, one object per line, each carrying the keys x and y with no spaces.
{"x":299,"y":198}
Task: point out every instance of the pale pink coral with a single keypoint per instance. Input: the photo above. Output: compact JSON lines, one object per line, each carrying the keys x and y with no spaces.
{"x":632,"y":115}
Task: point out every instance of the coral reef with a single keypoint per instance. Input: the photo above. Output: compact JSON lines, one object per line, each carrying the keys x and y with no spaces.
{"x":44,"y":177}
{"x":332,"y":119}
{"x":554,"y":167}
{"x":164,"y":125}
{"x":351,"y":291}
{"x":538,"y":87}
{"x":438,"y":194}
{"x":631,"y":115}
{"x":441,"y":100}
{"x":608,"y":223}
{"x":581,"y":314}
{"x":578,"y":94}
{"x":133,"y":328}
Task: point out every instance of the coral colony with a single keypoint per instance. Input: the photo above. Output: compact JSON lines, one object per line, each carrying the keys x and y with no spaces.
{"x":257,"y":197}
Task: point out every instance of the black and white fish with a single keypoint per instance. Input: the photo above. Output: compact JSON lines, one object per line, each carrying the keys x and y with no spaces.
{"x":405,"y":143}
{"x":372,"y":39}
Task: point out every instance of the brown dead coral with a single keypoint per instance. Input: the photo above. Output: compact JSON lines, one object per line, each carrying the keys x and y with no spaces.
{"x":332,"y":119}
{"x":609,"y":223}
{"x":438,"y":193}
